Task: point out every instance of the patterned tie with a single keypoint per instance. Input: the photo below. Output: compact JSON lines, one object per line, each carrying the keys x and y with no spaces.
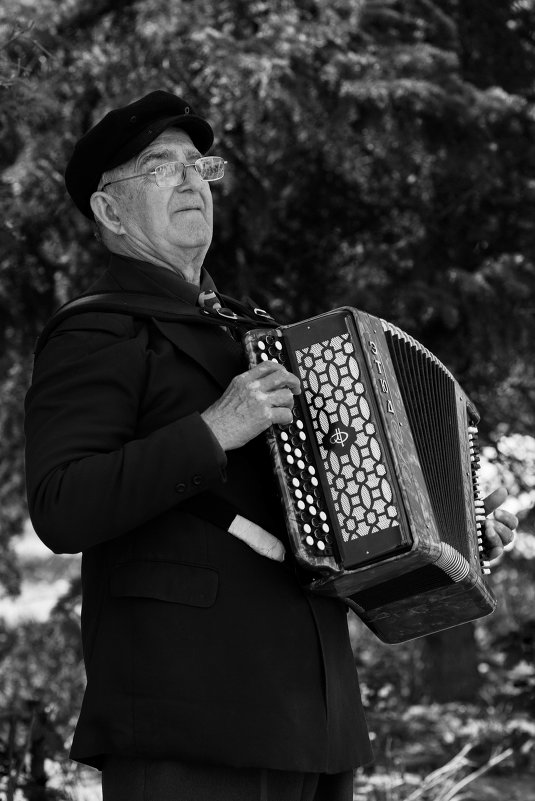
{"x":208,"y":299}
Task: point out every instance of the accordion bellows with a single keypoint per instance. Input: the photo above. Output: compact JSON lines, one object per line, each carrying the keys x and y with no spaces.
{"x":378,"y":474}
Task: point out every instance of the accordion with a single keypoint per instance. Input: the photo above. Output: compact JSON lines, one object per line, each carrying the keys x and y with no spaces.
{"x":378,"y":474}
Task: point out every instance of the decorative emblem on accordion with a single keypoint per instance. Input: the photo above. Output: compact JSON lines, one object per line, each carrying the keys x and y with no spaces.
{"x":378,"y":474}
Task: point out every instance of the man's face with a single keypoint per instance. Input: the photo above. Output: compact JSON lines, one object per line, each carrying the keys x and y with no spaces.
{"x":171,"y":220}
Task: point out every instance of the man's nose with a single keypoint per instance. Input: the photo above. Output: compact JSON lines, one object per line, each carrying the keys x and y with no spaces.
{"x":191,"y":176}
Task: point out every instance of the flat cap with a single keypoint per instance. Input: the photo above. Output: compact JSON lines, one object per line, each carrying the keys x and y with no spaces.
{"x":125,"y":132}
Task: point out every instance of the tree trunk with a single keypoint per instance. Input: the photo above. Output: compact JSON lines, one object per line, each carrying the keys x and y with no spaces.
{"x":451,"y":665}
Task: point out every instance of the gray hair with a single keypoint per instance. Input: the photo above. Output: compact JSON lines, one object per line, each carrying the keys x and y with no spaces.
{"x":99,"y":230}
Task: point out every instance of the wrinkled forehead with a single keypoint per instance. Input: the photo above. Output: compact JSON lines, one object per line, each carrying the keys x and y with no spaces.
{"x":173,"y":144}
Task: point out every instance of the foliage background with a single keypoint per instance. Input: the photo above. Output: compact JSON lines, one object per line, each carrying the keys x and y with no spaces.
{"x":381,"y":155}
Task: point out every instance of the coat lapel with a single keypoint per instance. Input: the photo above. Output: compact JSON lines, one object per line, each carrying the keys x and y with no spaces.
{"x":209,"y":345}
{"x":216,"y":352}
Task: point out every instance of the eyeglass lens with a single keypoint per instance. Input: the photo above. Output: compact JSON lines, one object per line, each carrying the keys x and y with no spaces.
{"x":210,"y":168}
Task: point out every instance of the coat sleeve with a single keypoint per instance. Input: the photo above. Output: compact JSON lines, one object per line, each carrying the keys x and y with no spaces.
{"x":89,"y":477}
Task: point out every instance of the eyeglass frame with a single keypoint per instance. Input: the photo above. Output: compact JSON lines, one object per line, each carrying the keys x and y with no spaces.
{"x":153,"y":172}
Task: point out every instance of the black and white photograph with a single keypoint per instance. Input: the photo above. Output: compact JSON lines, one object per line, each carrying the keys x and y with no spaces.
{"x":267,"y":400}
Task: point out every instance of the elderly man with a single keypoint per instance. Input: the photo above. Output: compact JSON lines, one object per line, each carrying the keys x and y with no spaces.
{"x":210,"y":673}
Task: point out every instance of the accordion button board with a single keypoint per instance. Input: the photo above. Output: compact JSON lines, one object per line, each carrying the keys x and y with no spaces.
{"x":292,"y":451}
{"x":378,"y":473}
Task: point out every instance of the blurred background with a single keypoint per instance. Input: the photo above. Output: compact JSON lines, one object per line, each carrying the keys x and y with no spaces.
{"x":381,"y":154}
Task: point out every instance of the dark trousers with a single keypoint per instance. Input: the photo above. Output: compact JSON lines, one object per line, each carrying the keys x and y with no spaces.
{"x":158,"y":780}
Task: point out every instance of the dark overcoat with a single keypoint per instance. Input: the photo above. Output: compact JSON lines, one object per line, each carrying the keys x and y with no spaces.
{"x":195,"y":646}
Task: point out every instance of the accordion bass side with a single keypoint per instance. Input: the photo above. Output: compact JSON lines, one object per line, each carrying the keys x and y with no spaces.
{"x":378,"y":474}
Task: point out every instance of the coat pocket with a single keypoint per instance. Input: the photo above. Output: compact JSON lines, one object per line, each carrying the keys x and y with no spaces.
{"x":175,"y":582}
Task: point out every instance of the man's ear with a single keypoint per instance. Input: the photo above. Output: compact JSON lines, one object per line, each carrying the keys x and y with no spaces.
{"x":105,"y":209}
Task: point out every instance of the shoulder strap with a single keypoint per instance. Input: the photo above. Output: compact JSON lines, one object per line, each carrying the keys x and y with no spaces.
{"x":138,"y":304}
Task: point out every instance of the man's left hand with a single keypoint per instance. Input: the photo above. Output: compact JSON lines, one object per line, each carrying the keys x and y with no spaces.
{"x":499,"y":531}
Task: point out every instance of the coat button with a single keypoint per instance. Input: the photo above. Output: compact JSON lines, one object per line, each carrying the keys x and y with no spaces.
{"x":180,"y":487}
{"x":196,"y":480}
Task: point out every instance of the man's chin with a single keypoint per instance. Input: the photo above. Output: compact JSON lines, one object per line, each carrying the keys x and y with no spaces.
{"x":194,"y":239}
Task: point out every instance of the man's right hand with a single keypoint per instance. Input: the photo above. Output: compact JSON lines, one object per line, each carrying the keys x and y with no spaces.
{"x":251,"y":403}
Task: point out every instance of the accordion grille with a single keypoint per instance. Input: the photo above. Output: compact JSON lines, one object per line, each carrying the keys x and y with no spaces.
{"x":361,"y":492}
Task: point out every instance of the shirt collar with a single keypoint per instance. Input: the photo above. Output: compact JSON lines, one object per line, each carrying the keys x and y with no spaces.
{"x":163,"y":278}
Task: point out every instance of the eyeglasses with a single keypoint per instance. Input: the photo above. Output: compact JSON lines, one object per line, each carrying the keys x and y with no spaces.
{"x":173,"y":173}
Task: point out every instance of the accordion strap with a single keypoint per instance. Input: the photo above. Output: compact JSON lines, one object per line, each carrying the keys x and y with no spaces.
{"x":239,"y":316}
